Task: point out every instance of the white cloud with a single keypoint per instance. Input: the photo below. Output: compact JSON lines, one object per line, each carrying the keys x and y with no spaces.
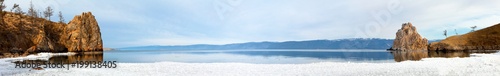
{"x":433,"y":17}
{"x":181,"y":22}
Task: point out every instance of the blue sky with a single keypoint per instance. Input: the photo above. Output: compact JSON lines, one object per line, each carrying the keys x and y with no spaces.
{"x":126,"y":23}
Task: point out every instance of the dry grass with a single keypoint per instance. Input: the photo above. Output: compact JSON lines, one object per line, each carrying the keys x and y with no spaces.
{"x":484,"y":39}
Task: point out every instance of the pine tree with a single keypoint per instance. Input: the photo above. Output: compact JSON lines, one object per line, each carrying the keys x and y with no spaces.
{"x":445,"y":33}
{"x":48,"y":12}
{"x":61,"y":18}
{"x":14,"y":7}
{"x":31,"y":11}
{"x":473,"y":28}
{"x":2,"y":6}
{"x":456,"y":33}
{"x":19,"y":10}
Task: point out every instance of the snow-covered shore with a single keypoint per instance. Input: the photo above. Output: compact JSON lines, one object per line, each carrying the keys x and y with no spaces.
{"x":477,"y":64}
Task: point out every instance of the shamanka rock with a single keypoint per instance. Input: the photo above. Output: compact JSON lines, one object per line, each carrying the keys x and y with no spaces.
{"x":82,"y":34}
{"x":408,"y":39}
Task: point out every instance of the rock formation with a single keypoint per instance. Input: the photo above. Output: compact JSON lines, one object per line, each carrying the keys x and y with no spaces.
{"x":82,"y":34}
{"x":21,"y":35}
{"x":407,"y":39}
{"x":484,"y":39}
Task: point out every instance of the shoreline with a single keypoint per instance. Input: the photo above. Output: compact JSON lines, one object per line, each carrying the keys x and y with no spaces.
{"x":477,"y":64}
{"x":470,"y":51}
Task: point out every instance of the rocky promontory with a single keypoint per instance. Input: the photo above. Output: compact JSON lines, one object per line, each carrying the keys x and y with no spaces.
{"x":407,"y":38}
{"x":21,"y":34}
{"x":484,"y":39}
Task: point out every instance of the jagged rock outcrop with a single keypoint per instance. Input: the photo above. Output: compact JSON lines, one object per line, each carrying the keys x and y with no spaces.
{"x":21,"y":35}
{"x":408,"y":39}
{"x":484,"y":39}
{"x":82,"y":34}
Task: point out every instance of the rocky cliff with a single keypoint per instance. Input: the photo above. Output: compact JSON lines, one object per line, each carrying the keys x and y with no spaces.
{"x":484,"y":39}
{"x":407,"y":38}
{"x":82,"y":34}
{"x":21,"y":35}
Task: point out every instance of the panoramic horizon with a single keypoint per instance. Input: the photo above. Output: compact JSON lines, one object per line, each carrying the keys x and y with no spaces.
{"x":249,"y":37}
{"x":131,"y":23}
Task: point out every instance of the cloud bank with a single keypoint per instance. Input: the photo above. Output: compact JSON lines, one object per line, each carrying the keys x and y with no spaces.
{"x":127,"y":23}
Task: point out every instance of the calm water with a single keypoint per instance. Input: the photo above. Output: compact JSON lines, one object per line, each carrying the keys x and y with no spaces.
{"x":258,"y":56}
{"x":251,"y":56}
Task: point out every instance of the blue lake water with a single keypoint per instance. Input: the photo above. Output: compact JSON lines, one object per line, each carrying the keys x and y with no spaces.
{"x":250,"y":56}
{"x":264,"y":56}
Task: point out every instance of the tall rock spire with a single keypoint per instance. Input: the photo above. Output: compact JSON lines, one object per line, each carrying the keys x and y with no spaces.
{"x":408,"y":39}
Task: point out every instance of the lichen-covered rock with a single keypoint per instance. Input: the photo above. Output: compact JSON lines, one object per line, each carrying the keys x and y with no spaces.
{"x":408,"y":39}
{"x":21,"y":35}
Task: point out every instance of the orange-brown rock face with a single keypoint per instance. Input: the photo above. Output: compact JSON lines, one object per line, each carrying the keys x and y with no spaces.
{"x":408,"y":39}
{"x":21,"y":34}
{"x":82,"y":34}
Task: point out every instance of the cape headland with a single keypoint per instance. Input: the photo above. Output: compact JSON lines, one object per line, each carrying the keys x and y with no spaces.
{"x":21,"y":35}
{"x":407,"y":39}
{"x":484,"y":39}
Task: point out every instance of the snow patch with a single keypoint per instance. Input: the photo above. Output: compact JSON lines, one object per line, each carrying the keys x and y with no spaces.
{"x":478,"y":64}
{"x":38,"y":56}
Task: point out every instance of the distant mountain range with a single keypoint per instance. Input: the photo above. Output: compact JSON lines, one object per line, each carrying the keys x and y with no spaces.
{"x":354,"y":43}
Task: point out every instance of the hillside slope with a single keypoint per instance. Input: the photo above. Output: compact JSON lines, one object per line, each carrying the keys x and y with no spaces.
{"x":484,"y":39}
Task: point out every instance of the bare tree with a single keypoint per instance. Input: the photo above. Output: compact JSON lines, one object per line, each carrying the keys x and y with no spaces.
{"x":2,"y":6}
{"x":473,"y":28}
{"x":40,"y":15}
{"x":14,"y":7}
{"x":445,"y":33}
{"x":31,"y":11}
{"x":19,"y":10}
{"x":456,"y":33}
{"x":61,"y":18}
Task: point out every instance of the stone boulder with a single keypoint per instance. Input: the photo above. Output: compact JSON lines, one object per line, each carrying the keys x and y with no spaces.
{"x":408,"y":39}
